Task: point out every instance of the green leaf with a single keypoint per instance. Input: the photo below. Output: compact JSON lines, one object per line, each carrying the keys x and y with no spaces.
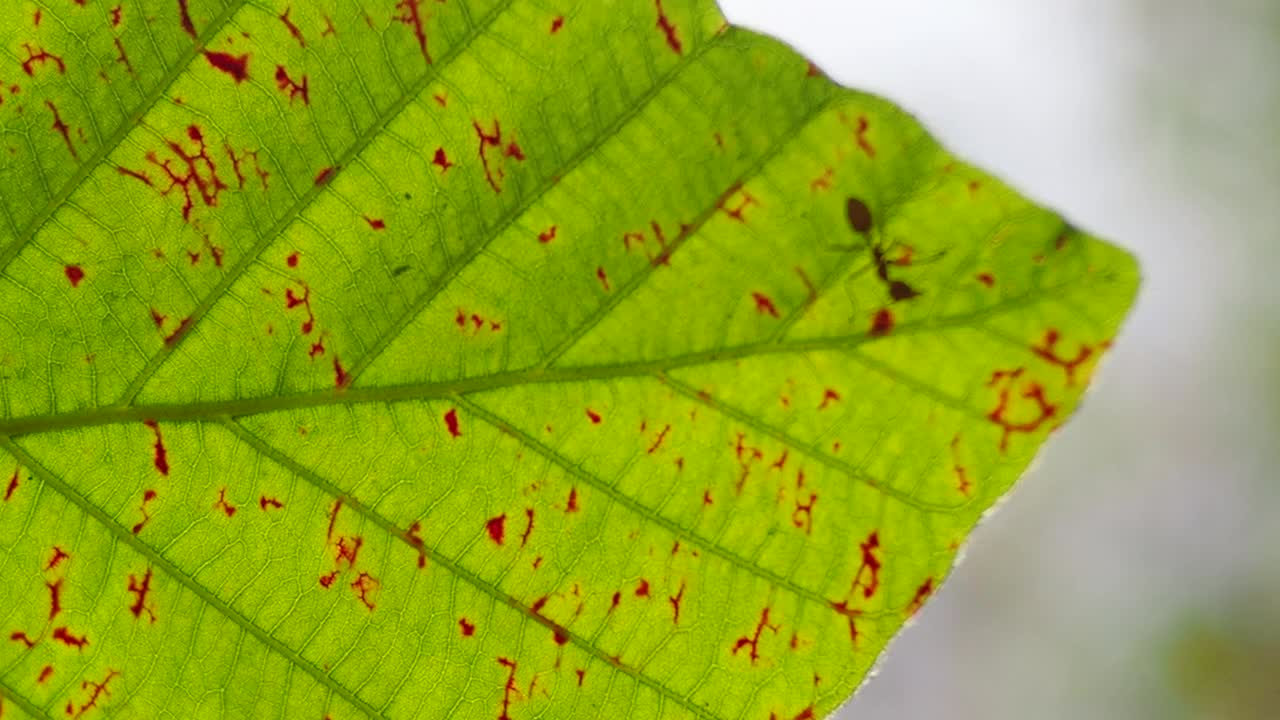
{"x":492,"y":359}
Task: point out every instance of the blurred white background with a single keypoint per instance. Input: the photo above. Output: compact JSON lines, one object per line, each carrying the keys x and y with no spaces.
{"x":1136,"y":571}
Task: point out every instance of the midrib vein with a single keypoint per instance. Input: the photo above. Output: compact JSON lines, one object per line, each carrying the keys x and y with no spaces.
{"x":123,"y":535}
{"x":113,"y":141}
{"x":191,"y":412}
{"x":340,"y":164}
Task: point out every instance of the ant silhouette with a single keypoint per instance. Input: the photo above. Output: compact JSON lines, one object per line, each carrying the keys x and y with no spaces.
{"x":860,"y":219}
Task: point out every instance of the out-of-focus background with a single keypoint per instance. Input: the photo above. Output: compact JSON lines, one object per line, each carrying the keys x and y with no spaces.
{"x":1135,"y":573}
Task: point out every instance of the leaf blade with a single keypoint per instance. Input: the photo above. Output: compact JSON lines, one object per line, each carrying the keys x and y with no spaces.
{"x":723,"y":559}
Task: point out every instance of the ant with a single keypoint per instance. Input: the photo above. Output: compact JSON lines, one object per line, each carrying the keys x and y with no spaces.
{"x":859,"y":216}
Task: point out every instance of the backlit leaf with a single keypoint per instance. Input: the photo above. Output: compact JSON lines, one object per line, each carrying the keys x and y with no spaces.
{"x":492,"y":359}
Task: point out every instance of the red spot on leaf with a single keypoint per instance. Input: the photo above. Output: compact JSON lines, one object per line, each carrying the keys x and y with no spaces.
{"x":669,"y":30}
{"x":147,"y":497}
{"x":441,"y":160}
{"x":293,"y":29}
{"x":867,"y":580}
{"x":411,"y":15}
{"x":185,"y":15}
{"x":1048,"y":350}
{"x":557,"y":23}
{"x":745,"y":200}
{"x":365,"y":586}
{"x":58,"y":556}
{"x":497,"y":528}
{"x":200,"y":173}
{"x":55,"y":598}
{"x":122,"y":56}
{"x":237,"y":66}
{"x":987,"y":279}
{"x":333,"y":518}
{"x":325,"y":174}
{"x":375,"y":223}
{"x":467,"y":627}
{"x":215,"y":252}
{"x":414,"y":537}
{"x":451,"y":422}
{"x":172,"y":337}
{"x":603,"y":277}
{"x":136,"y":175}
{"x":95,"y":690}
{"x":881,"y":323}
{"x":1006,"y":380}
{"x":906,"y":258}
{"x":62,"y":129}
{"x":12,"y":486}
{"x":870,"y":566}
{"x":74,"y":274}
{"x":823,"y":181}
{"x":348,"y":551}
{"x":45,"y":673}
{"x":802,"y":516}
{"x":922,"y":594}
{"x":39,"y":56}
{"x":594,"y":417}
{"x":236,"y":161}
{"x":20,"y":637}
{"x":293,"y":300}
{"x":675,"y":601}
{"x":266,"y":503}
{"x":140,"y":588}
{"x":326,"y":581}
{"x":227,"y":508}
{"x":510,"y":689}
{"x":753,"y":641}
{"x":572,"y":505}
{"x":494,"y":174}
{"x":66,"y":637}
{"x":860,"y":134}
{"x":528,"y":528}
{"x":828,"y":398}
{"x":160,"y":455}
{"x":962,"y":475}
{"x":547,"y":235}
{"x":746,"y":457}
{"x":764,"y":304}
{"x":657,"y":442}
{"x":293,"y":88}
{"x":642,"y":588}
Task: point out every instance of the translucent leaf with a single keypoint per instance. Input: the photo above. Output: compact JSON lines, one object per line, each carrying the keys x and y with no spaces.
{"x":492,"y":359}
